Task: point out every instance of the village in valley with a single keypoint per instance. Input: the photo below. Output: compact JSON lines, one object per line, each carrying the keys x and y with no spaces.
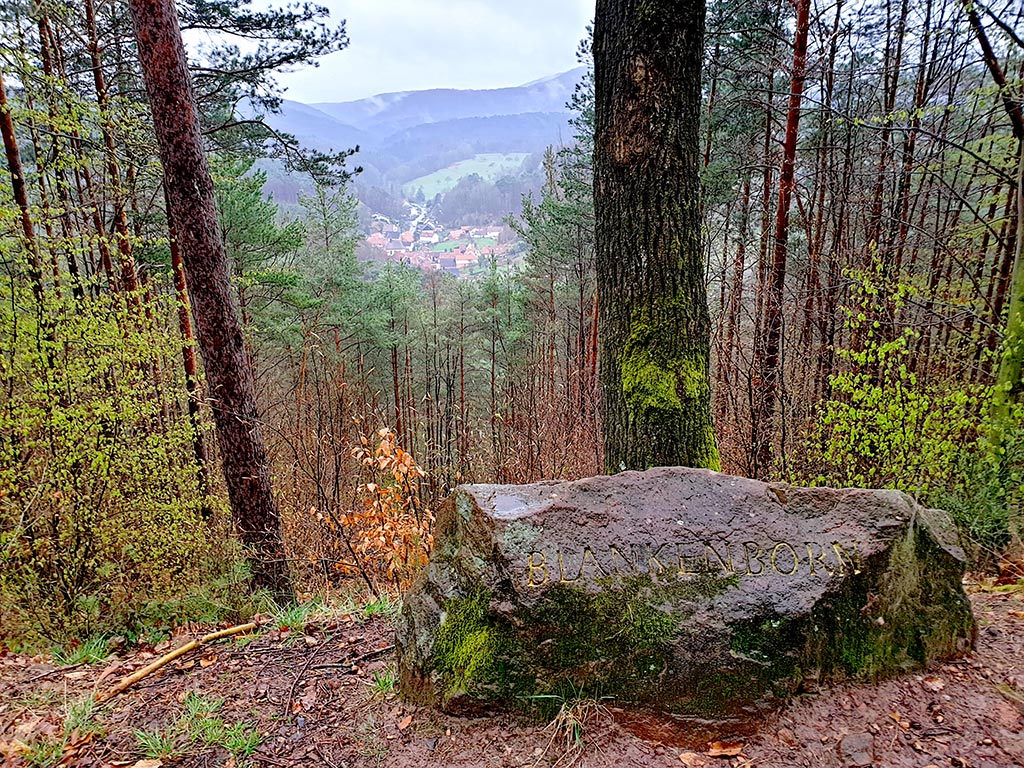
{"x":419,"y":241}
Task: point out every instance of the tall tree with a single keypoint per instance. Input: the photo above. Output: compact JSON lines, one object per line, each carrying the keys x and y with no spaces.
{"x":771,"y":353}
{"x":35,"y":264}
{"x":193,"y":212}
{"x":654,"y":323}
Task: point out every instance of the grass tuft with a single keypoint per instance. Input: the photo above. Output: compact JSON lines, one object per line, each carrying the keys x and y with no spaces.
{"x":383,"y":606}
{"x":157,"y":745}
{"x":82,"y":717}
{"x":41,"y":753}
{"x":294,"y":617}
{"x":90,"y":652}
{"x":384,"y":681}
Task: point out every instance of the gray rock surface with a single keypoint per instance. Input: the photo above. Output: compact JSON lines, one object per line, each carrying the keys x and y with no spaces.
{"x":683,"y":590}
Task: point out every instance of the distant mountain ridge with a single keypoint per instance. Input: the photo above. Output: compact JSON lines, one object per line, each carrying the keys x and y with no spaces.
{"x":389,"y":112}
{"x":409,"y":134}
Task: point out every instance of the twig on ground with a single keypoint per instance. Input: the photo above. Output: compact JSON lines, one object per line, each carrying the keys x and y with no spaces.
{"x":357,"y":659}
{"x":130,"y":680}
{"x":56,"y":671}
{"x":295,"y":682}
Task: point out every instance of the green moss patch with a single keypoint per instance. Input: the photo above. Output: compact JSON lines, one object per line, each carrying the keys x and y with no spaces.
{"x":473,"y":654}
{"x":665,"y":382}
{"x":616,"y":642}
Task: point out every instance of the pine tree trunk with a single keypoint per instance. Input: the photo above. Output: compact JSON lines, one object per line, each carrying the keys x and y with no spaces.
{"x":194,"y":216}
{"x":188,"y":355}
{"x":35,"y":263}
{"x":654,"y":320}
{"x":771,"y":362}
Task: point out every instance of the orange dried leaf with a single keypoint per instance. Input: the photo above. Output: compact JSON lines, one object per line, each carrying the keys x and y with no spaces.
{"x":724,"y":749}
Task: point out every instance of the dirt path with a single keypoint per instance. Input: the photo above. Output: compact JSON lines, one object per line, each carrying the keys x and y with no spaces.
{"x":323,"y":697}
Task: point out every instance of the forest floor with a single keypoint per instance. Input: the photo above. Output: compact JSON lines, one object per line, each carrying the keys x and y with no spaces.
{"x":324,"y":696}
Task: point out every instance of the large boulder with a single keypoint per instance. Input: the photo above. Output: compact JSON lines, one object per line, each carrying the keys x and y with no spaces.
{"x":683,"y":590}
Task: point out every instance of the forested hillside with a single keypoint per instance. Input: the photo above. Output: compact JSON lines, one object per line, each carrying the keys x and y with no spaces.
{"x":404,"y":137}
{"x":860,"y":209}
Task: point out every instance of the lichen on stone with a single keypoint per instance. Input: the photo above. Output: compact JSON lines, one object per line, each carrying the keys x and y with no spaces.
{"x":520,"y":537}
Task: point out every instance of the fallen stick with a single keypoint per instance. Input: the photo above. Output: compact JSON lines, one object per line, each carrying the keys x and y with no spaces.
{"x":56,"y":671}
{"x":146,"y":671}
{"x":356,"y":659}
{"x":295,"y":682}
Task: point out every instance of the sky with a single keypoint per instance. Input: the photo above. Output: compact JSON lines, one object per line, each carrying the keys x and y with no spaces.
{"x":407,"y":45}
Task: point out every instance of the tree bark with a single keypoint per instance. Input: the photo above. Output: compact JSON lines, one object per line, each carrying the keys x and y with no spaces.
{"x":654,"y":321}
{"x":193,"y":213}
{"x":771,"y":365}
{"x":10,"y":141}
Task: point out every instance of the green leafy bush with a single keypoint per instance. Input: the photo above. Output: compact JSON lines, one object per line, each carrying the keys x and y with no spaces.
{"x":883,"y":426}
{"x":986,"y":497}
{"x":100,"y":503}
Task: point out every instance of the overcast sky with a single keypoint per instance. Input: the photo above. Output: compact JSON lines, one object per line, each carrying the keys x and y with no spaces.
{"x":406,"y":45}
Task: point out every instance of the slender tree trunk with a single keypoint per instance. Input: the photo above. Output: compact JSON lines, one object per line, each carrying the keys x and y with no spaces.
{"x":730,"y":375}
{"x":129,"y":278}
{"x":1013,"y":108}
{"x":771,"y":369}
{"x":910,"y":139}
{"x":654,"y":321}
{"x":35,"y":262}
{"x":891,"y":76}
{"x":57,"y":148}
{"x":193,"y":213}
{"x":1000,"y":279}
{"x":764,"y":243}
{"x":395,"y":387}
{"x":90,"y":195}
{"x":711,"y":104}
{"x":188,"y":354}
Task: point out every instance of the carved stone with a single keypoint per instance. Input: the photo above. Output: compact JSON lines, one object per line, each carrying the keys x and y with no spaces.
{"x":683,"y":590}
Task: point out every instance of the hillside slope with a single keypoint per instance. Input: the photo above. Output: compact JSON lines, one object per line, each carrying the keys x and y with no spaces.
{"x":405,"y":136}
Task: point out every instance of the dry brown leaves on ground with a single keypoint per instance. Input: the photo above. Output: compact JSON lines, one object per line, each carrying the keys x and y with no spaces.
{"x":325,"y":698}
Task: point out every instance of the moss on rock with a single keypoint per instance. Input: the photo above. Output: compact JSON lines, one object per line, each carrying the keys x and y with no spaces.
{"x":467,"y":649}
{"x":613,"y":642}
{"x":620,"y":611}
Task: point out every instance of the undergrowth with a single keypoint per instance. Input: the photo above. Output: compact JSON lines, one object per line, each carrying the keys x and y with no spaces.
{"x":885,"y":426}
{"x":197,"y":725}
